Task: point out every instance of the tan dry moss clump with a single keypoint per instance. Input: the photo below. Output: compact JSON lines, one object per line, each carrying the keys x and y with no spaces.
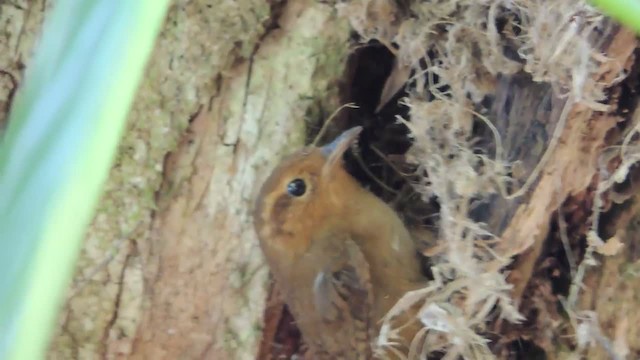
{"x":552,"y":41}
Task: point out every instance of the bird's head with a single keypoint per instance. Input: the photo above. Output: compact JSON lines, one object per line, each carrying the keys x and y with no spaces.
{"x":306,"y":193}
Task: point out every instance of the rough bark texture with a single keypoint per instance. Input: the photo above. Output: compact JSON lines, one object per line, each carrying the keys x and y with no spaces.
{"x":20,"y":22}
{"x":170,"y":266}
{"x":204,"y":271}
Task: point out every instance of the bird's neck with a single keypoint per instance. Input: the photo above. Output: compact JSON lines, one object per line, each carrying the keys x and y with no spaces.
{"x":372,"y":217}
{"x":388,"y":246}
{"x":366,"y":216}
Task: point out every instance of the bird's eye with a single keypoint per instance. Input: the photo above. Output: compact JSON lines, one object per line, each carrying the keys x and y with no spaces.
{"x":296,"y":187}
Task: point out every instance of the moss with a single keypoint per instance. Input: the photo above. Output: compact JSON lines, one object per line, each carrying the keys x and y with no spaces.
{"x":456,"y":50}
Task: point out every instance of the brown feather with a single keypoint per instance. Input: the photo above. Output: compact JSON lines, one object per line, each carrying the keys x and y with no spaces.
{"x":341,"y":256}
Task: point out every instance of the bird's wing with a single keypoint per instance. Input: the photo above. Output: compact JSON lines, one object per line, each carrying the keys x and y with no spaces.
{"x":343,"y":296}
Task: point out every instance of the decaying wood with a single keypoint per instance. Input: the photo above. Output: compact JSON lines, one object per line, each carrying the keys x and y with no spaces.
{"x":280,"y":336}
{"x":567,"y":182}
{"x":570,"y":167}
{"x":614,"y":291}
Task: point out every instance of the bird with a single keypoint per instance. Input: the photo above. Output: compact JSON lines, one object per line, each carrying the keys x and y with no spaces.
{"x":340,"y":256}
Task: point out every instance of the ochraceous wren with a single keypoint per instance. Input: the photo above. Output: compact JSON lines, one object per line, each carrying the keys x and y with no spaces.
{"x":340,"y":256}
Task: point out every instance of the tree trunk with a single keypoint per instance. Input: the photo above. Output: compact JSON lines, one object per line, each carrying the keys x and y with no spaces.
{"x":171,"y":267}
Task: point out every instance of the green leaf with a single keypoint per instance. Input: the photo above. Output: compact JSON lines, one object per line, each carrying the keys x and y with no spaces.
{"x":627,"y":12}
{"x":63,"y":132}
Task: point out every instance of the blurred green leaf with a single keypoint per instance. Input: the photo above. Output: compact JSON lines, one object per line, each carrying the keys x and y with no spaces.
{"x":56,"y":154}
{"x":627,"y":12}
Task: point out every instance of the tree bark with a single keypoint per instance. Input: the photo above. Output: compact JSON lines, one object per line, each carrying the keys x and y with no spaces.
{"x":171,"y":267}
{"x":21,"y":21}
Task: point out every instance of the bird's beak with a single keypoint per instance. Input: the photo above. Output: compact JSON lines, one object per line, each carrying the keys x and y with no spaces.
{"x":334,"y":150}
